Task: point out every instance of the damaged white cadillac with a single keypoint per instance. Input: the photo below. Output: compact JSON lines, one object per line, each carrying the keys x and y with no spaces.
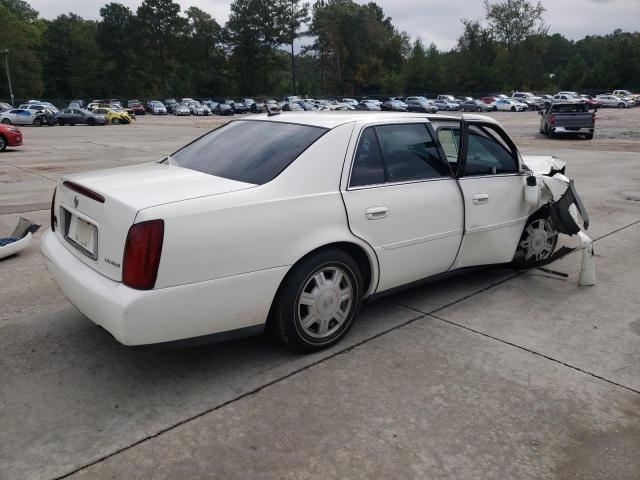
{"x":289,"y":222}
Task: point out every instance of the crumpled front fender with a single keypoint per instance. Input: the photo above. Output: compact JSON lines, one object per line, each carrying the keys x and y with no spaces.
{"x":567,"y":210}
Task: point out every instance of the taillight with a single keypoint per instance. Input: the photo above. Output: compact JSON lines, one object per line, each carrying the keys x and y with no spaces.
{"x":552,"y":119}
{"x":593,"y":117}
{"x":142,"y":254}
{"x":54,"y":220}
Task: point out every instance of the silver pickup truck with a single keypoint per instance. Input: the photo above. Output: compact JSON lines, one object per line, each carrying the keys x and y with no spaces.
{"x":563,"y":118}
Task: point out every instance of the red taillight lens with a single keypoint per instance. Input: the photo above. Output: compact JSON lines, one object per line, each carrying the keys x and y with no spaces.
{"x":552,"y":119}
{"x":142,"y":254}
{"x":54,"y":220}
{"x":83,"y":191}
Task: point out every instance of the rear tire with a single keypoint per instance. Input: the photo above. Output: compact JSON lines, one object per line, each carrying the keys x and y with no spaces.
{"x":621,"y":105}
{"x":91,"y":122}
{"x":513,"y":109}
{"x":6,"y":121}
{"x":3,"y":143}
{"x":61,"y":122}
{"x":317,"y":302}
{"x":589,"y":136}
{"x":115,"y":121}
{"x":37,"y":122}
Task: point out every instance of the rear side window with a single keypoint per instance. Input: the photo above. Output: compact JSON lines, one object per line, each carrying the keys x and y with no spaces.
{"x":410,"y":153}
{"x":367,"y":167}
{"x":248,"y":151}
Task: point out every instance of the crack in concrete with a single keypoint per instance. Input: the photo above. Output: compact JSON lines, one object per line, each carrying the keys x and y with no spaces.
{"x":29,"y":171}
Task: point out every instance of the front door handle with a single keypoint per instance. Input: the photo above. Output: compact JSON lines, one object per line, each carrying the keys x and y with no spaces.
{"x":376,"y":213}
{"x":481,"y":198}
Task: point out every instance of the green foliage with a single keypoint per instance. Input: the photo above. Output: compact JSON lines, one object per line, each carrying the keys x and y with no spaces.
{"x":352,"y":49}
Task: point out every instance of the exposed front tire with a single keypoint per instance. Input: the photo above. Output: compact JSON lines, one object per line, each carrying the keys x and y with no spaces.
{"x":317,"y":302}
{"x":621,"y":105}
{"x":3,"y":143}
{"x":537,"y":243}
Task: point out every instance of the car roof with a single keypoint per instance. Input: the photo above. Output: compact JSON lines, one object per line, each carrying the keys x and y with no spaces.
{"x":337,"y":118}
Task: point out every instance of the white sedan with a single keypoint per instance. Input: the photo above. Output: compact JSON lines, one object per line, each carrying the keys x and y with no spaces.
{"x":21,"y":116}
{"x":288,"y":222}
{"x":508,"y":105}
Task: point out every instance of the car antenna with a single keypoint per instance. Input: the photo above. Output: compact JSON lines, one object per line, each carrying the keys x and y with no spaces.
{"x":271,"y":113}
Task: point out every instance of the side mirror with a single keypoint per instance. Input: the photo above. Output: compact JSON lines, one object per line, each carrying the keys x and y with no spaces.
{"x":531,"y":191}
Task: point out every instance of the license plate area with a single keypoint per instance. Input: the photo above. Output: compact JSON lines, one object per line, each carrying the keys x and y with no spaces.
{"x":80,"y":233}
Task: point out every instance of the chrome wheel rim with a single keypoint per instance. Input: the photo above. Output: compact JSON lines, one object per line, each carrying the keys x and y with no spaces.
{"x":325,"y":302}
{"x":539,"y":241}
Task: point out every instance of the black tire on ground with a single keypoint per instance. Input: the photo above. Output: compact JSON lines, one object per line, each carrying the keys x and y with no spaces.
{"x":115,"y":121}
{"x":513,"y":109}
{"x":589,"y":136}
{"x":285,"y":316}
{"x":621,"y":105}
{"x":91,"y":122}
{"x":61,"y":121}
{"x":37,"y":122}
{"x":479,"y":109}
{"x":3,"y":143}
{"x":72,"y":124}
{"x":6,"y":121}
{"x":545,"y":245}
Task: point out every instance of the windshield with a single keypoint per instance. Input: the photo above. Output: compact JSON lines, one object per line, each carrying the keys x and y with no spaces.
{"x":248,"y":151}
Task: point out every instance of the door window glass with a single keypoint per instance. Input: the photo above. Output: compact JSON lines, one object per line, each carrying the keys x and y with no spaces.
{"x":410,"y":153}
{"x":367,"y":166}
{"x":449,"y":138}
{"x":487,"y":153}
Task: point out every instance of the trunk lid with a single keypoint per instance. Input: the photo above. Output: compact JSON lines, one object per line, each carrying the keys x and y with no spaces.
{"x":96,"y":232}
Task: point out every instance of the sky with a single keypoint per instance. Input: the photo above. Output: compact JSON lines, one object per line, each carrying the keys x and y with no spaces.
{"x":435,"y":21}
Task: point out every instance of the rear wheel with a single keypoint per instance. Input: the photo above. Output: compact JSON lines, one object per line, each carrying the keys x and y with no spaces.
{"x":6,"y":121}
{"x":37,"y":122}
{"x":621,"y":105}
{"x":115,"y":121}
{"x":317,"y":302}
{"x":91,"y":122}
{"x":537,"y":243}
{"x":479,"y":109}
{"x":61,"y":122}
{"x":589,"y":136}
{"x":3,"y":143}
{"x":513,"y":109}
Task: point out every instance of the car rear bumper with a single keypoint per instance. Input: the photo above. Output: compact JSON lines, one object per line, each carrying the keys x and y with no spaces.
{"x":137,"y":317}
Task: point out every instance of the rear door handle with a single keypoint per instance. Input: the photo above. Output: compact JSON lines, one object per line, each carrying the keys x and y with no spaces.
{"x":376,"y":213}
{"x":481,"y":198}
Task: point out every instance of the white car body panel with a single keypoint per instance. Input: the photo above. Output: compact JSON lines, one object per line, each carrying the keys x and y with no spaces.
{"x":228,"y":245}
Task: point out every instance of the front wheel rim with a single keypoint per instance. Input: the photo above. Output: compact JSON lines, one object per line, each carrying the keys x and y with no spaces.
{"x":540,"y":240}
{"x":325,"y":302}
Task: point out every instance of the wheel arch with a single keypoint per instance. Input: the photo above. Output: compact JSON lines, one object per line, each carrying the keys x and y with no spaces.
{"x":365,"y":259}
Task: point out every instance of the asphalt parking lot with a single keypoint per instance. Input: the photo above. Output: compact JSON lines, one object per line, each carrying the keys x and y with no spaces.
{"x":498,"y":374}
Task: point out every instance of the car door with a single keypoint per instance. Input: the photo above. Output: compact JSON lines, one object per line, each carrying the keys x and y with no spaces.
{"x":493,"y":189}
{"x":401,"y":198}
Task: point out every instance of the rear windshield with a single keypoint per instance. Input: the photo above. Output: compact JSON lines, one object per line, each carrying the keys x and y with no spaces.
{"x":248,"y":151}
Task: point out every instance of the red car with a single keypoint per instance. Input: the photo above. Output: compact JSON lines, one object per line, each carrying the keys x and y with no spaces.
{"x":9,"y":136}
{"x":592,"y":102}
{"x":137,"y":107}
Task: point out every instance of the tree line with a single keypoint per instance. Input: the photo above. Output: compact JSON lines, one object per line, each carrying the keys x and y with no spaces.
{"x":345,"y":48}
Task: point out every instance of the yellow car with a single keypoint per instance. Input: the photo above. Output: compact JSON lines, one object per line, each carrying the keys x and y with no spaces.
{"x":114,"y":117}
